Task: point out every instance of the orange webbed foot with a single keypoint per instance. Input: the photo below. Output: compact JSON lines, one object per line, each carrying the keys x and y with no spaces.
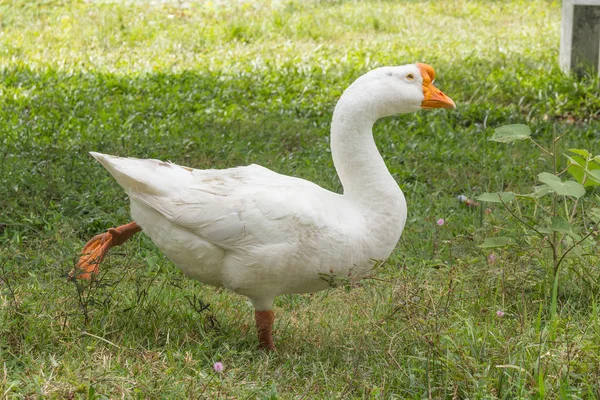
{"x":91,"y":256}
{"x":96,"y":249}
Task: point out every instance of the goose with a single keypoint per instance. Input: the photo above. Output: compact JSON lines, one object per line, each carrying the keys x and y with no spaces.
{"x":262,"y":234}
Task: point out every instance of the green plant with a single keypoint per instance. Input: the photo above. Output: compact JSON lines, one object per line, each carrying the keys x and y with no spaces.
{"x":559,"y":219}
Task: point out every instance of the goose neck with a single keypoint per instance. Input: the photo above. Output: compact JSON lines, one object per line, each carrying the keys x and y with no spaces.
{"x":359,"y":165}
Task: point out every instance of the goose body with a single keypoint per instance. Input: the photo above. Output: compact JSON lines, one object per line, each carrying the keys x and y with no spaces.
{"x":254,"y":231}
{"x":262,"y":234}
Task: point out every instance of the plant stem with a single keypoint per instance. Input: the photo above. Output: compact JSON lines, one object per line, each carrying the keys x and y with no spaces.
{"x":563,"y":171}
{"x":577,"y":243}
{"x":583,"y":180}
{"x":540,"y":206}
{"x":541,"y":147}
{"x":522,"y":221}
{"x":561,"y":136}
{"x":554,"y":200}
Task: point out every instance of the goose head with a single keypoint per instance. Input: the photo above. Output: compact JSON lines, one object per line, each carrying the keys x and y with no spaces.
{"x":388,"y":91}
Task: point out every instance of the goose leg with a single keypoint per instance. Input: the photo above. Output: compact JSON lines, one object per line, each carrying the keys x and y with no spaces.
{"x":264,"y":326}
{"x":94,"y":251}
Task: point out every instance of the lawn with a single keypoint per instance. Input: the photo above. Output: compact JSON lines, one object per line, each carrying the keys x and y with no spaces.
{"x":219,"y":84}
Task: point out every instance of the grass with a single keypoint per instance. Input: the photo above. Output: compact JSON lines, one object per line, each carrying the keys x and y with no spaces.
{"x":217,"y":84}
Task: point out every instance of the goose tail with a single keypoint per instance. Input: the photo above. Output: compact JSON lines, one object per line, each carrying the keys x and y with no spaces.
{"x":149,"y":177}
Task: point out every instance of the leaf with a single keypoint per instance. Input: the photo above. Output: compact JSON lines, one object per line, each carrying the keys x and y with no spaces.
{"x":559,"y":224}
{"x":581,"y":152}
{"x":567,"y":188}
{"x":595,"y":215}
{"x":578,"y":173}
{"x":493,"y":197}
{"x":538,"y":191}
{"x":510,"y":133}
{"x":575,"y":160}
{"x":544,"y":230}
{"x":577,"y":170}
{"x":499,"y":241}
{"x":594,"y":174}
{"x":597,"y":159}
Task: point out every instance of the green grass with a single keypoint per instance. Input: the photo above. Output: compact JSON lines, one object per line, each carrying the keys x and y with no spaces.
{"x":214,"y":84}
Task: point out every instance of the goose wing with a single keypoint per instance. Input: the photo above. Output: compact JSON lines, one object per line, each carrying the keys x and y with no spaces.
{"x":230,"y":208}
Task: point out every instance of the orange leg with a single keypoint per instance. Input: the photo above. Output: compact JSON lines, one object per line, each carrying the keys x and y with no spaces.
{"x":94,"y":251}
{"x":264,"y":326}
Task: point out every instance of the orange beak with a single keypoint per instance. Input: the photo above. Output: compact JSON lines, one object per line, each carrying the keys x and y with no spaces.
{"x":434,"y":98}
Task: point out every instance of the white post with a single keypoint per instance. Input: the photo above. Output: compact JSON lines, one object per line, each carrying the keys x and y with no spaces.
{"x":580,"y":35}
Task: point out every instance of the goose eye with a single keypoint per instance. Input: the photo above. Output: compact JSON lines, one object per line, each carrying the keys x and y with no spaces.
{"x":410,"y":77}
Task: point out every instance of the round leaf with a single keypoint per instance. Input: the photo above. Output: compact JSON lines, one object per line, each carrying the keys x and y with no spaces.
{"x":510,"y":133}
{"x":567,"y":188}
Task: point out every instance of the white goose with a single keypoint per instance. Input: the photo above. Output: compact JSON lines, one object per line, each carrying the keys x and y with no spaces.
{"x":262,"y":234}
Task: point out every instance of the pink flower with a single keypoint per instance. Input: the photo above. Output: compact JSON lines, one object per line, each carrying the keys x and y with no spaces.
{"x":440,"y":221}
{"x":218,"y":366}
{"x":491,"y":258}
{"x":500,"y":313}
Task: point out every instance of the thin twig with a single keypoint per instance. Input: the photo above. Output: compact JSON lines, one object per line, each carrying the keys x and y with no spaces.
{"x":523,"y":221}
{"x":556,"y":139}
{"x":577,"y":244}
{"x":541,"y":147}
{"x":583,"y":180}
{"x":541,"y":206}
{"x":554,"y":200}
{"x":564,"y":170}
